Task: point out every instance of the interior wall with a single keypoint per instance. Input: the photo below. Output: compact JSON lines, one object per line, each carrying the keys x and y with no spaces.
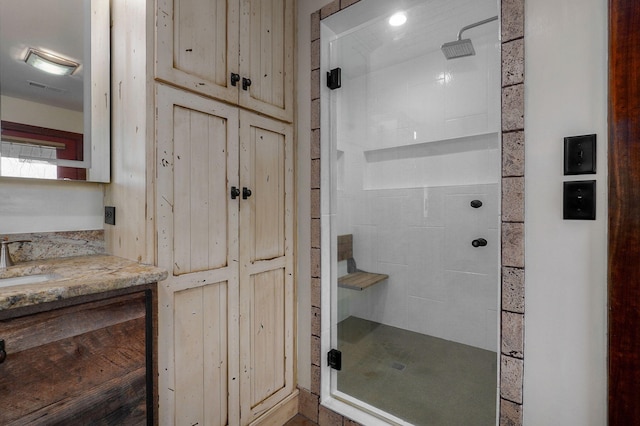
{"x":41,"y":115}
{"x":565,"y":376}
{"x":31,"y":205}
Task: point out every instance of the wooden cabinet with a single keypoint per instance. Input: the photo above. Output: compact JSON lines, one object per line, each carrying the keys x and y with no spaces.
{"x":187,"y":149}
{"x":225,"y":230}
{"x":82,"y":364}
{"x":238,"y":51}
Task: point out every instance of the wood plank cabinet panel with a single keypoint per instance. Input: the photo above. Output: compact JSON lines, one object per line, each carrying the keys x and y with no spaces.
{"x":197,"y":234}
{"x":266,"y":160}
{"x":266,"y":56}
{"x":197,"y":46}
{"x":266,"y":265}
{"x":268,"y":335}
{"x":200,"y":45}
{"x":200,"y":173}
{"x":196,"y":169}
{"x":201,"y":364}
{"x":76,"y":365}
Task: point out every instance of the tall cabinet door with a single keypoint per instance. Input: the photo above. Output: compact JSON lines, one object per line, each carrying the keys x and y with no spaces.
{"x":266,"y":264}
{"x":197,"y":46}
{"x":266,"y":56}
{"x":197,"y":228}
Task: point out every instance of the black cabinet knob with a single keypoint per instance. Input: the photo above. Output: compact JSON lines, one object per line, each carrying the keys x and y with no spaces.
{"x":245,"y":83}
{"x":246,"y":193}
{"x":235,"y":78}
{"x":235,"y":192}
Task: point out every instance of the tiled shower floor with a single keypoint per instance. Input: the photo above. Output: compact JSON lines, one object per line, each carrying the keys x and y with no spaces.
{"x":421,"y":379}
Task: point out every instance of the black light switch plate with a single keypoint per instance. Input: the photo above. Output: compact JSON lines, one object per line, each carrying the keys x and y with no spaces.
{"x":110,"y":215}
{"x":580,"y":155}
{"x":579,"y":200}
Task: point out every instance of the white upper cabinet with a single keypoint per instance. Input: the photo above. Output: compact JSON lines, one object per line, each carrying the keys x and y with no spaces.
{"x":237,"y":51}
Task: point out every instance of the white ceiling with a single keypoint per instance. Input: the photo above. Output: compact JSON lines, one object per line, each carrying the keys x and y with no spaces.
{"x":55,"y":26}
{"x":367,"y":40}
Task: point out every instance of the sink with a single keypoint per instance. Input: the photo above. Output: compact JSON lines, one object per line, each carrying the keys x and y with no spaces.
{"x":27,"y":279}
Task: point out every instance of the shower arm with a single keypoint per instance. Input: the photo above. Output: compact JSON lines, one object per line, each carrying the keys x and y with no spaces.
{"x":477,"y":24}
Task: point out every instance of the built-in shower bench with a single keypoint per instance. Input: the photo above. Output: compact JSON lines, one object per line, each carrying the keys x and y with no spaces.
{"x":355,"y":278}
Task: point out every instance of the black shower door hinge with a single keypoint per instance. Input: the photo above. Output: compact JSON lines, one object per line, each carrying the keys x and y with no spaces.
{"x":334,"y":79}
{"x":334,"y":359}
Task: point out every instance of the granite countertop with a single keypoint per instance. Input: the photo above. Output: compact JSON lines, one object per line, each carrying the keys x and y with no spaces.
{"x":74,"y":276}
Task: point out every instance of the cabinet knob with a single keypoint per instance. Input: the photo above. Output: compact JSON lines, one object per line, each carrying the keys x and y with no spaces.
{"x":245,"y":83}
{"x":235,"y":192}
{"x":235,"y":78}
{"x":246,"y":193}
{"x":3,"y":353}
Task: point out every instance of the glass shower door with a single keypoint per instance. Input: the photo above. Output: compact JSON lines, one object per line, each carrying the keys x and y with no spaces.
{"x":415,"y":172}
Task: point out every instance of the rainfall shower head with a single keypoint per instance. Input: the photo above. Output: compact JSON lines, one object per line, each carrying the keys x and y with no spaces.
{"x":460,"y":47}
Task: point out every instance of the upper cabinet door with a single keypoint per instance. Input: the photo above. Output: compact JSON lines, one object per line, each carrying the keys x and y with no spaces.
{"x":197,"y":46}
{"x":237,"y":51}
{"x":266,"y":57}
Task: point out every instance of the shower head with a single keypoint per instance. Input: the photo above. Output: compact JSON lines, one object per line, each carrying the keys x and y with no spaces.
{"x":463,"y":47}
{"x":458,"y":49}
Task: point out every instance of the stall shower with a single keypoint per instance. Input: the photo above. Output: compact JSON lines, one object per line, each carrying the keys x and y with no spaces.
{"x":411,"y":162}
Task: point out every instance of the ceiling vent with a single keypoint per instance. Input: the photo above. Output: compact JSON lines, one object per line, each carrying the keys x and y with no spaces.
{"x":43,"y":86}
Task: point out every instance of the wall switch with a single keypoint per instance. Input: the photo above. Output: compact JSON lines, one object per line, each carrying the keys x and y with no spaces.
{"x":110,"y":215}
{"x":580,"y":155}
{"x":579,"y":200}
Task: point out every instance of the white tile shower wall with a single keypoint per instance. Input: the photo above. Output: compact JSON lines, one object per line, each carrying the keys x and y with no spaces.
{"x":419,"y":110}
{"x":410,"y":214}
{"x":439,"y":284}
{"x":419,"y":100}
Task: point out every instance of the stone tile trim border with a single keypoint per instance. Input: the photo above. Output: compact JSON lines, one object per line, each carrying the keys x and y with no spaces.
{"x":512,"y":276}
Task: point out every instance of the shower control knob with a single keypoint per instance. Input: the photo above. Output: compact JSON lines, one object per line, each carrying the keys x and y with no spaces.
{"x":479,"y":242}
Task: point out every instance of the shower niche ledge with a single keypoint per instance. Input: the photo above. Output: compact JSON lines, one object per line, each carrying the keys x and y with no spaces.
{"x":456,"y":145}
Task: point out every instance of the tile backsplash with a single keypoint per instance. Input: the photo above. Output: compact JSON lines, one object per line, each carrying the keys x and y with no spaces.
{"x":46,"y":245}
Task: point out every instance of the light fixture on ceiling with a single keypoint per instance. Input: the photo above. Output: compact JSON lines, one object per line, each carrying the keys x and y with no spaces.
{"x":50,"y":63}
{"x":398,"y":19}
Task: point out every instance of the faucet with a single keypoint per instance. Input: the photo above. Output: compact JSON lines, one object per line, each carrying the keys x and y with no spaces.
{"x":5,"y":258}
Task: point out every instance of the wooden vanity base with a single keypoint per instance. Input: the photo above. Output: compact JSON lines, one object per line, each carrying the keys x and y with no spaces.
{"x":81,"y":364}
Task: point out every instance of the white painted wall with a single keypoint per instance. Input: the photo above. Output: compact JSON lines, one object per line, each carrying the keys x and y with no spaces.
{"x":29,"y":205}
{"x":37,"y":114}
{"x":565,"y":261}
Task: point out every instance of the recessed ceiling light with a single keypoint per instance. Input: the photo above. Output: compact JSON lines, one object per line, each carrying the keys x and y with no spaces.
{"x":50,"y":63}
{"x":398,"y":19}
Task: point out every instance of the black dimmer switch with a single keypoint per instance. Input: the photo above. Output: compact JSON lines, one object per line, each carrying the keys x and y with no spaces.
{"x":579,"y":200}
{"x":580,"y":155}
